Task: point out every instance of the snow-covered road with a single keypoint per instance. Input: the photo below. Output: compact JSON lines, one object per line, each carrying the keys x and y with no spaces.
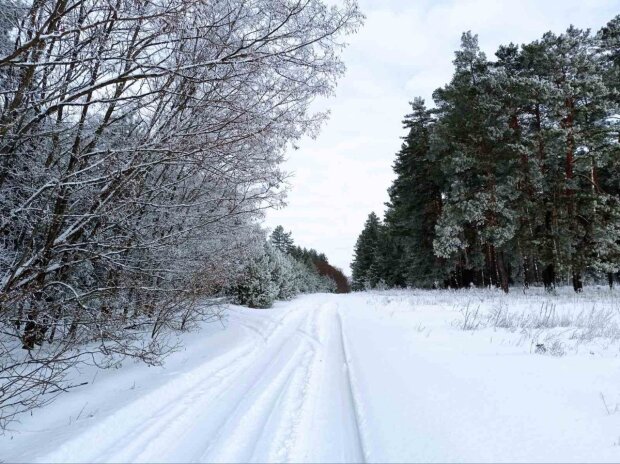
{"x":331,"y":378}
{"x":250,"y":404}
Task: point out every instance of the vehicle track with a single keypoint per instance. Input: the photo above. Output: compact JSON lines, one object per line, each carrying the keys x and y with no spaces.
{"x":353,"y":401}
{"x":262,"y":401}
{"x":147,"y":419}
{"x":255,"y":403}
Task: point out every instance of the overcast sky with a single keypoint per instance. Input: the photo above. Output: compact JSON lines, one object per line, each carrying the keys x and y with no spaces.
{"x":404,"y":50}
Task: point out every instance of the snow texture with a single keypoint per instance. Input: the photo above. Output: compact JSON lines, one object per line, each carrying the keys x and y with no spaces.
{"x":382,"y":376}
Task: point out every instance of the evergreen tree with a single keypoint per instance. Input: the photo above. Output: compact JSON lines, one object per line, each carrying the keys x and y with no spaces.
{"x":364,"y":263}
{"x":608,"y":173}
{"x":580,"y":106}
{"x":414,"y":207}
{"x":281,"y":240}
{"x":514,"y":177}
{"x":257,"y":287}
{"x":273,"y":274}
{"x":477,"y":221}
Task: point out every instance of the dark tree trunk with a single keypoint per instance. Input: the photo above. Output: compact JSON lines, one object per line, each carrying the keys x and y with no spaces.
{"x":503,"y":274}
{"x":548,"y":276}
{"x":610,"y":280}
{"x":526,"y":272}
{"x":577,"y":282}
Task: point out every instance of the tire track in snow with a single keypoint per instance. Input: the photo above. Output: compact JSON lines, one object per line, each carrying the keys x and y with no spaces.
{"x":287,"y":434}
{"x":271,"y":327}
{"x":145,"y":421}
{"x":106,"y":439}
{"x":254,"y":403}
{"x":329,"y":424}
{"x":263,"y":424}
{"x":220,"y":404}
{"x":239,"y":433}
{"x":353,"y":398}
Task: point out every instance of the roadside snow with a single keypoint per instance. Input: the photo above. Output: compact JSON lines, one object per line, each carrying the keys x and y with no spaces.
{"x":380,"y":376}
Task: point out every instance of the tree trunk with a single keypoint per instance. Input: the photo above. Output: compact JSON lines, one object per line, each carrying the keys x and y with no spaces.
{"x":526,"y":272}
{"x":503,"y":274}
{"x":548,"y":276}
{"x":577,"y":282}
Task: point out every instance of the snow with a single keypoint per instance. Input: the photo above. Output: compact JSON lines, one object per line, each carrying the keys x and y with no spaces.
{"x":378,"y":376}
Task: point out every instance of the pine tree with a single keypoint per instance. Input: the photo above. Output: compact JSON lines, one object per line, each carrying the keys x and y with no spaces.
{"x":514,"y":177}
{"x":581,"y":107}
{"x":414,"y":207}
{"x":281,"y":240}
{"x":608,"y":174}
{"x":477,"y":222}
{"x":257,"y":287}
{"x":365,"y":255}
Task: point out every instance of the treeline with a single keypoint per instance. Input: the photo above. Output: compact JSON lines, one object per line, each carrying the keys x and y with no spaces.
{"x":140,"y":143}
{"x":279,"y":270}
{"x":513,"y":177}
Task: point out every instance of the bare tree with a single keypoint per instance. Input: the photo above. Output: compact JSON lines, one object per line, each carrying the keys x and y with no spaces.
{"x":139,"y":143}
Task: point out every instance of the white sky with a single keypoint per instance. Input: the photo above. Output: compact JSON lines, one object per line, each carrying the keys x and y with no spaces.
{"x":405,"y":49}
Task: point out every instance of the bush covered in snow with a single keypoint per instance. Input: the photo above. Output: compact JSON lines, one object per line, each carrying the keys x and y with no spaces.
{"x":257,"y":287}
{"x":273,"y":274}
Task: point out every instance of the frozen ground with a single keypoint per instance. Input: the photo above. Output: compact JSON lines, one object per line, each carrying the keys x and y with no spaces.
{"x":385,"y":376}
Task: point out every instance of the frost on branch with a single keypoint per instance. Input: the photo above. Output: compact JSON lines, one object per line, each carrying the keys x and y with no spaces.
{"x":139,"y":144}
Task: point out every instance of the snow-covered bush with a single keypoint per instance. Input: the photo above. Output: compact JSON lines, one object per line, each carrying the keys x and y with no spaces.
{"x":327,"y":285}
{"x":284,"y":273}
{"x":313,"y":282}
{"x":271,"y":274}
{"x":256,"y":287}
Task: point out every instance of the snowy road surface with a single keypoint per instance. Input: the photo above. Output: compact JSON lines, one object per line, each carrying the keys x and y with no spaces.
{"x":348,"y":378}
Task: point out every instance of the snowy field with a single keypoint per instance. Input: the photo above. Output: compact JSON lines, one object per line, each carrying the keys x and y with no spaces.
{"x":382,"y":376}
